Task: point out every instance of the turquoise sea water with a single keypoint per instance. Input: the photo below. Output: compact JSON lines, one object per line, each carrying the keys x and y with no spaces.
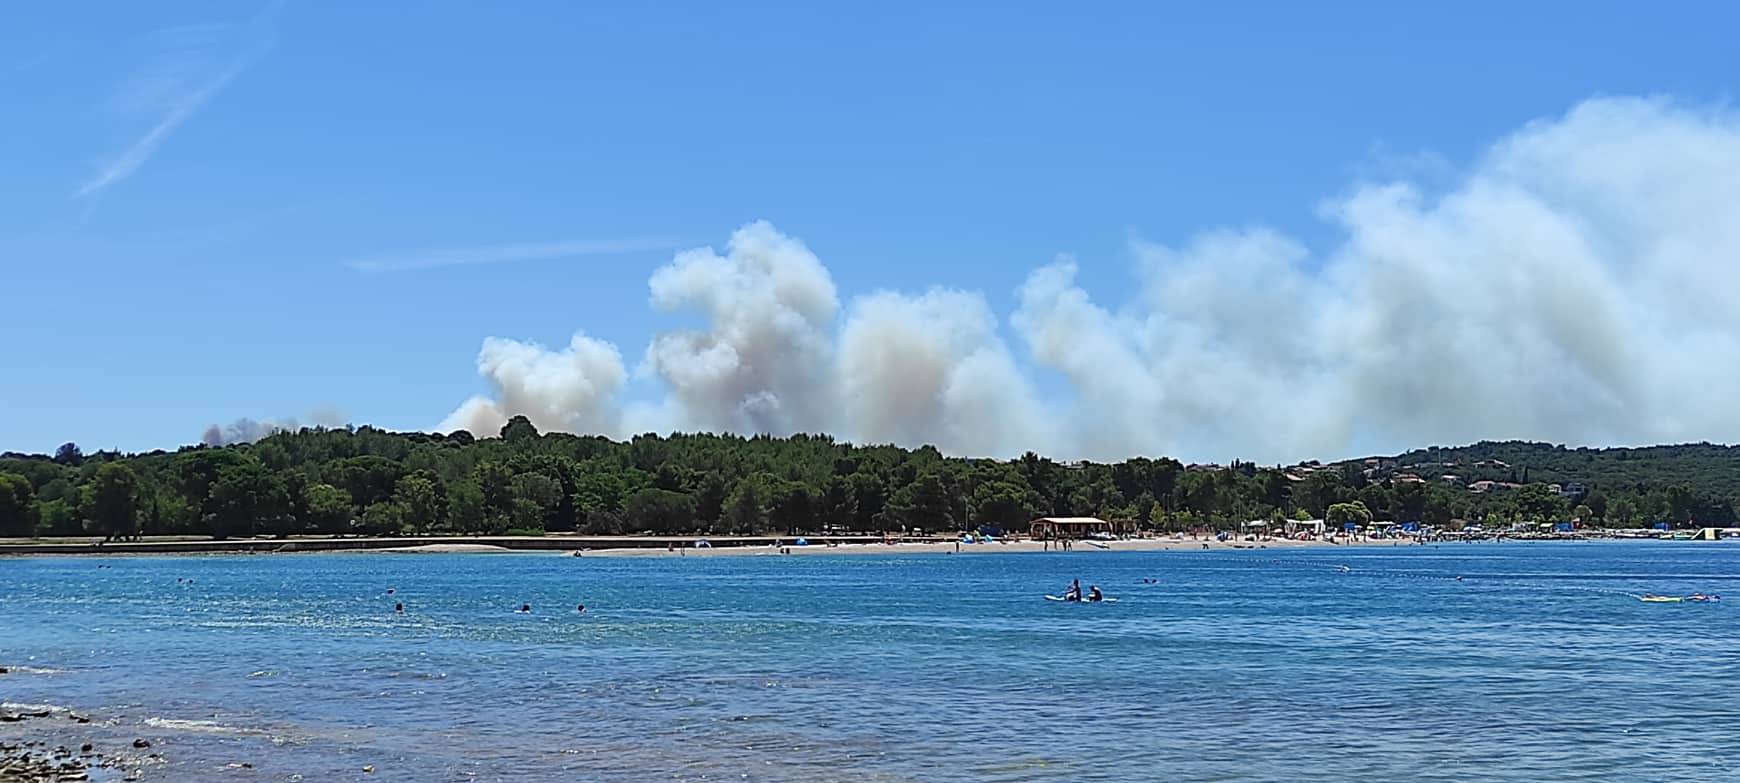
{"x":1239,"y":665}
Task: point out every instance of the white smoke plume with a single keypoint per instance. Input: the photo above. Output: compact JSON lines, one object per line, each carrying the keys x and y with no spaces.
{"x":571,"y":390}
{"x":245,"y":430}
{"x":1578,"y":283}
{"x":762,"y":366}
{"x":931,"y":369}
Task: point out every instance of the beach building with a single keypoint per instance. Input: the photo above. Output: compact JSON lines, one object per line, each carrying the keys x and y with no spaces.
{"x":1075,"y":527}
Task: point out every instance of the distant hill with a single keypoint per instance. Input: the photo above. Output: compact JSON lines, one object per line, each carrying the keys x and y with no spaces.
{"x":1711,"y":467}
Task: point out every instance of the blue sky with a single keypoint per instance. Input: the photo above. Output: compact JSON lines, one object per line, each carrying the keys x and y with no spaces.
{"x":193,"y":191}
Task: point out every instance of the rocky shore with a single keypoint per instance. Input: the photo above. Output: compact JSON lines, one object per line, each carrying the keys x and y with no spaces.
{"x":25,"y":760}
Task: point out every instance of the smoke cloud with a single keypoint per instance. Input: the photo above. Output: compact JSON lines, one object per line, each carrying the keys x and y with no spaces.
{"x":571,"y":390}
{"x":762,"y":365}
{"x":245,"y":430}
{"x":1576,"y":284}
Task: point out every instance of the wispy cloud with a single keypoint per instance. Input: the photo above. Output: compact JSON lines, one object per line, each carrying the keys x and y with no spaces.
{"x":183,"y":80}
{"x":501,"y":254}
{"x":136,"y":155}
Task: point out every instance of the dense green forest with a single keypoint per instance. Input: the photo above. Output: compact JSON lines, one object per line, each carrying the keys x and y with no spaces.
{"x":371,"y":481}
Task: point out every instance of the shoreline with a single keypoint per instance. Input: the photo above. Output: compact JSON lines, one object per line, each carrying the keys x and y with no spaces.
{"x":670,"y":546}
{"x":999,"y":547}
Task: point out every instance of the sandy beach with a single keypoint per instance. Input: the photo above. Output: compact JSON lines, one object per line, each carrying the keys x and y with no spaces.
{"x":438,"y":549}
{"x":628,"y":546}
{"x":951,"y":548}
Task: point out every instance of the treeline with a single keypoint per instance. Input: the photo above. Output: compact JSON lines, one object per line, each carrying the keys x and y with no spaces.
{"x":374,"y":482}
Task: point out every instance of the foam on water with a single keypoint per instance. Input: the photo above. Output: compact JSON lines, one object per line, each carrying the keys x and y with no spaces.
{"x":200,"y":726}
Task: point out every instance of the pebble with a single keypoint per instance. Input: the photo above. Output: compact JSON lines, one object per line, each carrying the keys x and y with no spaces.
{"x":22,"y":764}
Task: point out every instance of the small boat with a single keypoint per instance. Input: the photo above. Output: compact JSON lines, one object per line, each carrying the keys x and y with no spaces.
{"x":1696,"y":598}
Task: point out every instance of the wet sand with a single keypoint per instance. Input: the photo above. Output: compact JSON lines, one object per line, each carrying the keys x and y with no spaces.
{"x":437,"y":549}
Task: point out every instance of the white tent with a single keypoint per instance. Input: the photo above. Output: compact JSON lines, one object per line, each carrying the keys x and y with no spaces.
{"x":1313,"y":526}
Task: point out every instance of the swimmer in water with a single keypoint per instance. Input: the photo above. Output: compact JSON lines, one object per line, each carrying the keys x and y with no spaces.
{"x":580,"y":608}
{"x":525,"y":608}
{"x":400,"y":608}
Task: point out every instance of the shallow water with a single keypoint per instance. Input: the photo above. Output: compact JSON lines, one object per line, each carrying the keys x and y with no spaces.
{"x":1238,"y":665}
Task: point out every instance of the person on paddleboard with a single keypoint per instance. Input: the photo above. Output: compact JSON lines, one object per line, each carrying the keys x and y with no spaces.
{"x":1094,"y":594}
{"x":1074,"y":591}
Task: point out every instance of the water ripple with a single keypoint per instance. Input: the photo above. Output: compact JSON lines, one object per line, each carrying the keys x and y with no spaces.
{"x":1256,"y":665}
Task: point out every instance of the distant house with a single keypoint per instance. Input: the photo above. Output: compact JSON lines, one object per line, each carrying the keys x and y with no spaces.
{"x":1492,"y":486}
{"x":1407,"y":478}
{"x":1450,"y":478}
{"x":1574,"y":490}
